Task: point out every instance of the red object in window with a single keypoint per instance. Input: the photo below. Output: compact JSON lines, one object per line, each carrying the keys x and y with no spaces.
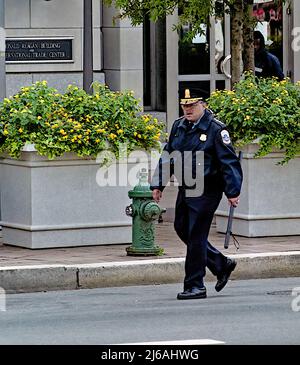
{"x":260,"y":14}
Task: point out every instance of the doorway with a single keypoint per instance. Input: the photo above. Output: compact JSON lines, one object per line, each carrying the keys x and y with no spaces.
{"x":204,"y":62}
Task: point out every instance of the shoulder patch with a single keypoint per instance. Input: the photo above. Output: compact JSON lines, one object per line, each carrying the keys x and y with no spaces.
{"x":225,"y":136}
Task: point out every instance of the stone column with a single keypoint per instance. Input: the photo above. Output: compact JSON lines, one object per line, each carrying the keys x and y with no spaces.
{"x":2,"y":65}
{"x":122,"y":53}
{"x":296,"y":39}
{"x":2,"y":52}
{"x":172,"y":71}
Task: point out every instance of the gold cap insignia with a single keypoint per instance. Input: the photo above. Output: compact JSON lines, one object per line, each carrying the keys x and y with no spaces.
{"x":187,"y":94}
{"x":188,"y":99}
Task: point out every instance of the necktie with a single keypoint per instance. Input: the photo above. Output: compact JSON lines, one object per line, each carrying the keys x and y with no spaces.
{"x":189,"y":126}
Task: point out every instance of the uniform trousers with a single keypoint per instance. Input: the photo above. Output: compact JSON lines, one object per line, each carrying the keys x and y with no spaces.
{"x":193,"y":218}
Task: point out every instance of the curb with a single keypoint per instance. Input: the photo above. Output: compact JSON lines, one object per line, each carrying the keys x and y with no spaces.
{"x":18,"y":279}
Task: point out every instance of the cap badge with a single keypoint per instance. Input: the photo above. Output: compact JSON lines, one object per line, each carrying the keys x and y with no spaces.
{"x":187,"y":94}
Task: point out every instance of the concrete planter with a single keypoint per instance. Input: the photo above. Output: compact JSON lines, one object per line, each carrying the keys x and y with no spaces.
{"x":58,"y":203}
{"x":270,"y":199}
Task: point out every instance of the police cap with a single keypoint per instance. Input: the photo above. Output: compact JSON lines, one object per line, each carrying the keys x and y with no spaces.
{"x":189,"y":97}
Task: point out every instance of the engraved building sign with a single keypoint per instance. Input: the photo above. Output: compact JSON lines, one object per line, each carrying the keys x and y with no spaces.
{"x":29,"y":50}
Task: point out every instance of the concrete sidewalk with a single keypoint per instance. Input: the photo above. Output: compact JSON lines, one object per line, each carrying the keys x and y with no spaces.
{"x":24,"y":270}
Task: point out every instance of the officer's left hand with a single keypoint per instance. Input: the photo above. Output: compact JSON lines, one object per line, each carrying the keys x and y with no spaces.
{"x":234,"y":201}
{"x":156,"y":195}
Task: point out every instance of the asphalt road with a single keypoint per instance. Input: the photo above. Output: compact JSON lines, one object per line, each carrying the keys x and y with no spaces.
{"x":245,"y":312}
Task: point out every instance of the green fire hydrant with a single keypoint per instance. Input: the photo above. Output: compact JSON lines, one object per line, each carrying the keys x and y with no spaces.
{"x":144,"y":212}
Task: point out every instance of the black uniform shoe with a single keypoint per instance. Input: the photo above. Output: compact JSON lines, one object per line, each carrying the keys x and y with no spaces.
{"x":193,"y":293}
{"x":223,"y":278}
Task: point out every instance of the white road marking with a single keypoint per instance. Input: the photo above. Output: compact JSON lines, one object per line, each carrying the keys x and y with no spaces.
{"x":202,"y":341}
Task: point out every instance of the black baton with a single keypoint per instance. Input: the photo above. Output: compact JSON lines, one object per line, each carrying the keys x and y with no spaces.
{"x":230,"y":217}
{"x":229,"y":225}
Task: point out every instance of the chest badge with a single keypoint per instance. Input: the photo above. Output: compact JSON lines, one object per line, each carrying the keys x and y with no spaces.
{"x":203,"y":137}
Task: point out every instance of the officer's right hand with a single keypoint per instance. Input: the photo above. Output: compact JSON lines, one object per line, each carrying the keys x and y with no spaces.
{"x":156,"y":195}
{"x":234,"y":201}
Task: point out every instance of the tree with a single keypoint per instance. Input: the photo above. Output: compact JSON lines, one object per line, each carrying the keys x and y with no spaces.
{"x":196,"y":12}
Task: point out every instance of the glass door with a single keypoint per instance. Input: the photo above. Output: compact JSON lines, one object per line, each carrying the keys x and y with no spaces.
{"x":204,"y":63}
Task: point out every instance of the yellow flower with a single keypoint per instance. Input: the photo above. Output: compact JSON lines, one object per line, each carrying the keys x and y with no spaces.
{"x":62,"y":132}
{"x":120,"y":131}
{"x":112,"y":136}
{"x":247,"y":117}
{"x":39,"y":117}
{"x":139,"y":136}
{"x":5,"y":132}
{"x":97,"y":140}
{"x":135,"y":134}
{"x":20,"y":130}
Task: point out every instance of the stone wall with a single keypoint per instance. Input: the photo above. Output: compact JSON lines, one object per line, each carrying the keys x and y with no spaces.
{"x":51,"y":19}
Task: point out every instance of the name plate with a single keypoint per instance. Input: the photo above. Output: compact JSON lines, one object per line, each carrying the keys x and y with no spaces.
{"x":41,"y":50}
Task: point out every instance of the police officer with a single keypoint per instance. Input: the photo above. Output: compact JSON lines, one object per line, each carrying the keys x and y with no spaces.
{"x":197,"y":131}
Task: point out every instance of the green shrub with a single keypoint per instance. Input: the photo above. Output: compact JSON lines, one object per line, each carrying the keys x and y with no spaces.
{"x":75,"y":122}
{"x":263,"y":110}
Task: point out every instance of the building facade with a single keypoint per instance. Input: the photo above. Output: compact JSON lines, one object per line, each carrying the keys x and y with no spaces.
{"x":44,"y":41}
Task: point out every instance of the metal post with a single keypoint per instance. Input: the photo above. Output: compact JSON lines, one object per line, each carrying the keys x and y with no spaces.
{"x":2,"y":53}
{"x":87,"y":46}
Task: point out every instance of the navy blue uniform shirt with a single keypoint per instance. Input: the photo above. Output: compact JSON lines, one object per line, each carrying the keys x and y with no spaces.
{"x":267,"y":65}
{"x":222,"y":169}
